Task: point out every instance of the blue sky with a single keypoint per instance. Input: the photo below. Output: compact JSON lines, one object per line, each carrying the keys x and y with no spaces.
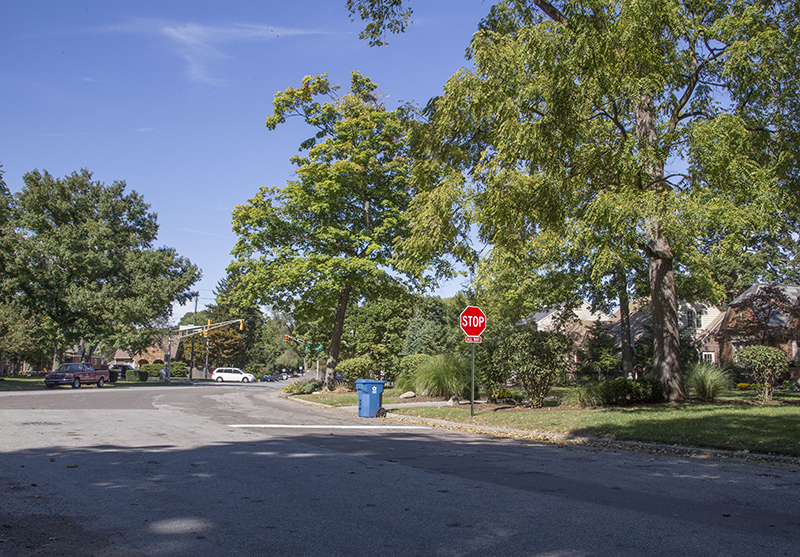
{"x":172,"y":96}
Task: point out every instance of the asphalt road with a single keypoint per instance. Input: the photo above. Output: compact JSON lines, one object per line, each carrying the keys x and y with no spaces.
{"x":236,"y":470}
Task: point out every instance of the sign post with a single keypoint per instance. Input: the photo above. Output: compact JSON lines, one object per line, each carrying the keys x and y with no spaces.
{"x":473,"y":323}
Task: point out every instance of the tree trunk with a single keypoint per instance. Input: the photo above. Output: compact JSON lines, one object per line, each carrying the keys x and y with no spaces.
{"x":58,"y":356}
{"x":625,"y":325}
{"x":336,"y":338}
{"x":666,"y":336}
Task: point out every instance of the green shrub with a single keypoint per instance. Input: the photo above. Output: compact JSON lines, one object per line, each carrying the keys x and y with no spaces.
{"x":303,"y":387}
{"x":444,"y":375}
{"x":176,"y":369}
{"x":708,"y":381}
{"x":616,"y":392}
{"x":537,"y":358}
{"x":135,"y":375}
{"x":257,"y":369}
{"x":359,"y":367}
{"x":152,"y":370}
{"x":499,"y":393}
{"x":409,"y":365}
{"x":766,"y":364}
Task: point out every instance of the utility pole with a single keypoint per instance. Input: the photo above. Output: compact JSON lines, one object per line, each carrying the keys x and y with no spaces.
{"x":194,"y":322}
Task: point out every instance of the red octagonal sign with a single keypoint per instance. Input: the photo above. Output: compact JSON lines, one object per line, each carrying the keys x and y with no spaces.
{"x":473,"y":323}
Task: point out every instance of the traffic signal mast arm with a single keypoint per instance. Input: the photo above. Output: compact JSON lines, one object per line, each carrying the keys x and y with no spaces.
{"x":295,"y":339}
{"x":192,"y":330}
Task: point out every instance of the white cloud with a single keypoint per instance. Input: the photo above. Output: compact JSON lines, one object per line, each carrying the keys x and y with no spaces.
{"x":199,"y":45}
{"x":206,"y":233}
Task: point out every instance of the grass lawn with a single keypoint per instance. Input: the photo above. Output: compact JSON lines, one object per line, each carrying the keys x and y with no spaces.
{"x":21,"y":383}
{"x":736,"y":422}
{"x":350,"y":398}
{"x":735,"y":426}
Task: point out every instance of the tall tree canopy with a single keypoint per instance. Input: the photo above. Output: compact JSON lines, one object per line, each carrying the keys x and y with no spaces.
{"x":666,"y":127}
{"x":327,"y":239}
{"x":83,"y":264}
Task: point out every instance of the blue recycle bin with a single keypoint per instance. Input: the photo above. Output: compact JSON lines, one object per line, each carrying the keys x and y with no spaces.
{"x":370,"y":397}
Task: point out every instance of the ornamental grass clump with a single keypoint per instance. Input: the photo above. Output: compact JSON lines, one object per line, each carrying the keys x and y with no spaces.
{"x":707,"y":381}
{"x":444,"y":375}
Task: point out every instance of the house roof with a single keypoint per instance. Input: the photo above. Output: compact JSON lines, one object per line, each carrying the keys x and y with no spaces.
{"x":583,"y":312}
{"x":778,"y":319}
{"x":792,"y":291}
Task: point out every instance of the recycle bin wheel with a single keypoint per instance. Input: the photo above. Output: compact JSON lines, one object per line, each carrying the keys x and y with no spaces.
{"x":381,"y":413}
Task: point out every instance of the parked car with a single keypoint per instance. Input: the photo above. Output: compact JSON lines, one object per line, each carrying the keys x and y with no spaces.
{"x":75,"y":374}
{"x":232,"y":374}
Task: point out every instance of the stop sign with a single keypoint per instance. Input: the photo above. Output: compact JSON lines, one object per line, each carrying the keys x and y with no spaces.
{"x":473,"y":322}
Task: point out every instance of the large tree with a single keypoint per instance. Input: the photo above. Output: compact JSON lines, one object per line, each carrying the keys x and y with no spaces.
{"x":327,"y":239}
{"x":660,"y":125}
{"x":83,"y":263}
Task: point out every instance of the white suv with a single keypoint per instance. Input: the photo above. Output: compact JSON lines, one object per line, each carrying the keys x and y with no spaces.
{"x":232,"y":374}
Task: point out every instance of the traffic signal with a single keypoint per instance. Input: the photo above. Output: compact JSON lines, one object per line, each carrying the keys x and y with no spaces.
{"x":286,"y":339}
{"x":205,"y":331}
{"x":241,"y":325}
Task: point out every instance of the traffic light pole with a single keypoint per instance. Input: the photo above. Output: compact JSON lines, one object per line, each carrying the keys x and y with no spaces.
{"x":197,"y":330}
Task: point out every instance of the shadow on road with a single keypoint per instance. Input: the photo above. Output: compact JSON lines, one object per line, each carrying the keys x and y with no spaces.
{"x":342,"y":493}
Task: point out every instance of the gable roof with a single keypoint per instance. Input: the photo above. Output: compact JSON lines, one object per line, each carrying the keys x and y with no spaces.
{"x":792,"y":291}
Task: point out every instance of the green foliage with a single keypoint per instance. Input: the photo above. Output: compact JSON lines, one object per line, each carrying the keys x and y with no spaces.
{"x":766,"y":364}
{"x":554,"y":82}
{"x":140,"y":374}
{"x":361,"y":367}
{"x":406,"y":370}
{"x":499,"y":393}
{"x":708,"y":381}
{"x":327,"y":239}
{"x":376,"y":329}
{"x":381,"y":16}
{"x":616,"y":392}
{"x":599,"y":358}
{"x":537,"y":359}
{"x":303,"y":387}
{"x":409,"y":365}
{"x":257,"y":369}
{"x":491,"y":371}
{"x":443,"y":375}
{"x":431,"y":330}
{"x":84,"y":263}
{"x":176,"y":369}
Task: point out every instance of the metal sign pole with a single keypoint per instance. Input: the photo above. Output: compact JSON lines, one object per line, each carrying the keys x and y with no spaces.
{"x":472,"y":395}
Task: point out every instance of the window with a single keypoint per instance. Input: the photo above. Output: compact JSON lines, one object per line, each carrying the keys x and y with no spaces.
{"x":708,"y":357}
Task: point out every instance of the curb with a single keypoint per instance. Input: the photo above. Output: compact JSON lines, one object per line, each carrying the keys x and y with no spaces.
{"x":561,"y":439}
